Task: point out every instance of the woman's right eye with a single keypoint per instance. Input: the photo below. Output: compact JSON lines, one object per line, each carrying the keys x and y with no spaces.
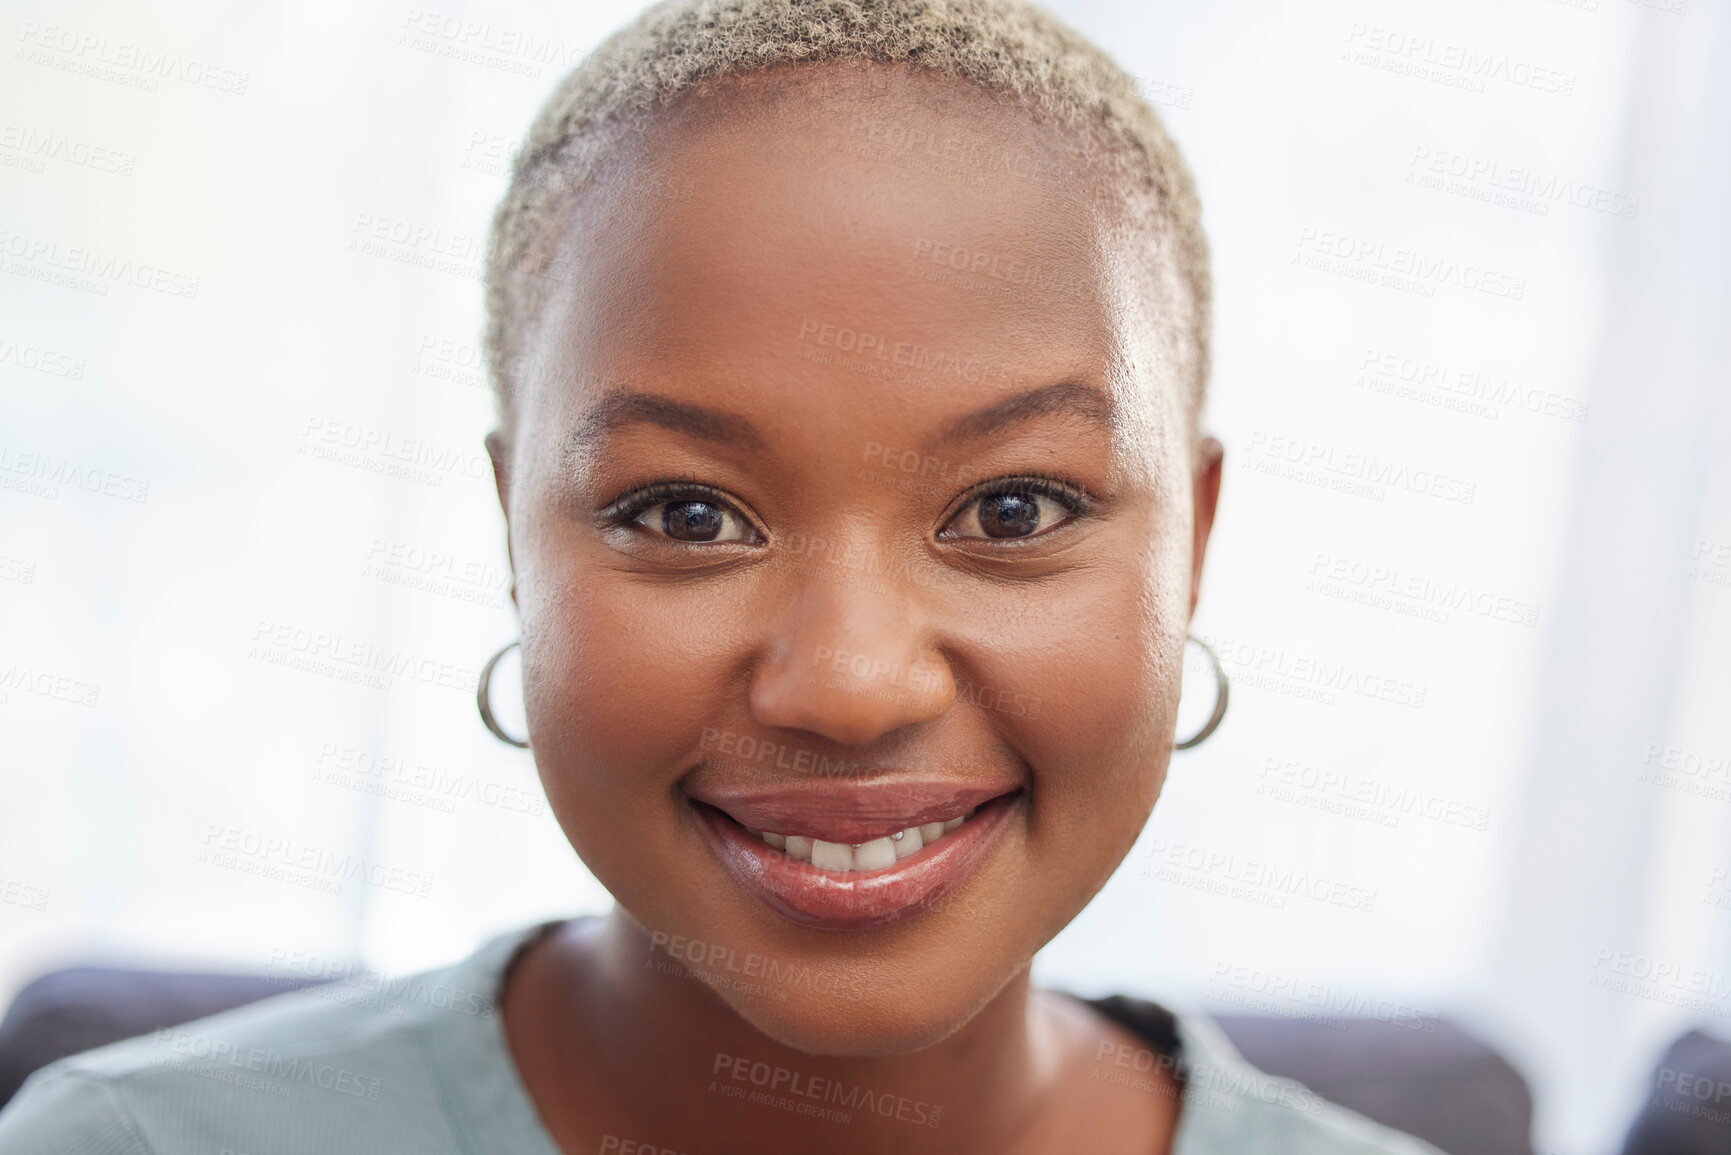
{"x":696,"y":520}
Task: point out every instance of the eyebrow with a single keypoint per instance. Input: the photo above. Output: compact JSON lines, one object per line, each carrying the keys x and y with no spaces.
{"x":1065,"y":397}
{"x":627,"y":407}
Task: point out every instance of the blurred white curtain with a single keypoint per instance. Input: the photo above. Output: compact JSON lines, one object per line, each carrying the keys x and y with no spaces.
{"x":1616,"y":940}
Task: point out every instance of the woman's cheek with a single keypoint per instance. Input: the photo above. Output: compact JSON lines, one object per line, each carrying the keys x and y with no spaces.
{"x":1095,"y":656}
{"x":1088,"y":697}
{"x":624,"y":678}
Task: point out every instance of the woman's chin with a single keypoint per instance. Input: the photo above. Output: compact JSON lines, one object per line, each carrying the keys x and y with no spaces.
{"x":872,"y":1028}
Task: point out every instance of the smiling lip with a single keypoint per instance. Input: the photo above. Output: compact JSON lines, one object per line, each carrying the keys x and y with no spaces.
{"x":852,"y":812}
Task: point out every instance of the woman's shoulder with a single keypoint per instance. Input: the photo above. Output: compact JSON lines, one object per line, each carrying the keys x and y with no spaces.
{"x":1228,"y":1104}
{"x":372,"y":1063}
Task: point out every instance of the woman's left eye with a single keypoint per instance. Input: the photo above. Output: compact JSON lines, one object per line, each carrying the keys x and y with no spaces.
{"x":695,"y":520}
{"x":1008,"y":514}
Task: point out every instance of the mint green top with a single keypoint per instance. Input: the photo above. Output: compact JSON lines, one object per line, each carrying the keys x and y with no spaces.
{"x":426,"y":1071}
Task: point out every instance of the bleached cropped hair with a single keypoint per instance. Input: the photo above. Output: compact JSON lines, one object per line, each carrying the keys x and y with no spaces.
{"x":1006,"y":47}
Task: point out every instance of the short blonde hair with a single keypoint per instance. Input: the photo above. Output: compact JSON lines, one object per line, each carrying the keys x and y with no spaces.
{"x":1007,"y":47}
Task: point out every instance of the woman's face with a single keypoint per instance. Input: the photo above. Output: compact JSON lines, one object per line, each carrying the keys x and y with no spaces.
{"x":854,"y":494}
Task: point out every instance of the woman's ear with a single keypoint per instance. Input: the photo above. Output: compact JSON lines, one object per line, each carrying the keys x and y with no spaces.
{"x":1205,"y":489}
{"x":500,"y":455}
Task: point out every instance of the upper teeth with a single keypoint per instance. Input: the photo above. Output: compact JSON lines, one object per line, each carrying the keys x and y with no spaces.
{"x":873,"y":855}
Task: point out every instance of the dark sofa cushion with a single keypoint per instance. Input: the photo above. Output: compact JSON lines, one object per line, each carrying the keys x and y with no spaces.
{"x":1690,"y":1109}
{"x":82,"y":1008}
{"x":1438,"y":1083}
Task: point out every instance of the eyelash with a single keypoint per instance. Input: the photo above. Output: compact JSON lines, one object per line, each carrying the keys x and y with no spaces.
{"x":626,"y":509}
{"x":1076,"y":503}
{"x":1071,"y":498}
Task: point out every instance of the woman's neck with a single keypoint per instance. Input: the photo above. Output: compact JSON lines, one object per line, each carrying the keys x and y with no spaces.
{"x":615,"y":1040}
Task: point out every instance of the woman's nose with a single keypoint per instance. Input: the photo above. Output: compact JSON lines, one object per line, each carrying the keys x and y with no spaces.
{"x":851,"y":665}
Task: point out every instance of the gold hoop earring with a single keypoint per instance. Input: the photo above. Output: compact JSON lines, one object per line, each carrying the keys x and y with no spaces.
{"x":1220,"y":688}
{"x":483,"y":703}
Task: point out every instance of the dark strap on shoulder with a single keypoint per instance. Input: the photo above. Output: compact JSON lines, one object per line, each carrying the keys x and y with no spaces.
{"x":1150,"y":1021}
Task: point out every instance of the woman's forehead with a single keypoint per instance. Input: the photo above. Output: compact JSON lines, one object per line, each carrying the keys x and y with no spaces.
{"x":864,"y":241}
